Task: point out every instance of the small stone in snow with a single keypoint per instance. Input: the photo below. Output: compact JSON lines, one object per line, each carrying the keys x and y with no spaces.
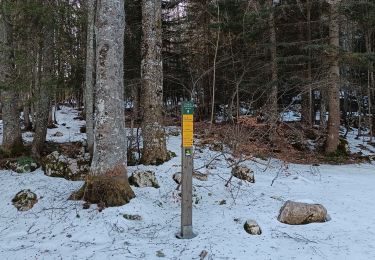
{"x":203,"y":254}
{"x":160,"y":253}
{"x":24,"y":200}
{"x":58,"y":134}
{"x":196,"y":175}
{"x":222,"y":202}
{"x":86,"y":205}
{"x":252,"y":227}
{"x":132,"y":217}
{"x":177,"y":177}
{"x":243,"y":173}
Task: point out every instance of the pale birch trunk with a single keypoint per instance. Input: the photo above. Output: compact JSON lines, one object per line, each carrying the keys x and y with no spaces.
{"x":333,"y":92}
{"x":90,"y":76}
{"x":12,"y":138}
{"x":153,"y":133}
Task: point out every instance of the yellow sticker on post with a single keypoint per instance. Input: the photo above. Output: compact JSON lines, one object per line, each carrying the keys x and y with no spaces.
{"x":187,"y":124}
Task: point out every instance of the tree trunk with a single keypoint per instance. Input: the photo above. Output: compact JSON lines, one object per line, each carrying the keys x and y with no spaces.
{"x":12,"y":138}
{"x":50,"y":116}
{"x":273,"y":109}
{"x":26,"y":115}
{"x":90,"y":76}
{"x":323,"y":108}
{"x":369,"y":84}
{"x":154,"y":144}
{"x":212,"y":119}
{"x":42,"y":109}
{"x":307,"y":98}
{"x":334,"y":78}
{"x":109,"y":157}
{"x":373,"y":99}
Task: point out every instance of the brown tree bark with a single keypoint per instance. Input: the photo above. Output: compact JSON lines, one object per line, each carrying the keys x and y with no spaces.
{"x":153,"y":133}
{"x":323,"y":108}
{"x":333,"y":93}
{"x":273,"y":109}
{"x":90,"y":75}
{"x":45,"y":70}
{"x":12,"y":138}
{"x":307,"y":98}
{"x":370,"y":78}
{"x":26,"y":115}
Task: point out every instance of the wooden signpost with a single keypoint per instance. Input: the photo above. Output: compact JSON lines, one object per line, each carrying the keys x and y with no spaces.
{"x":187,"y":171}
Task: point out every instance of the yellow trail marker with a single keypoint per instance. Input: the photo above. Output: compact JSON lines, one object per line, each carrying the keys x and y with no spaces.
{"x":187,"y":171}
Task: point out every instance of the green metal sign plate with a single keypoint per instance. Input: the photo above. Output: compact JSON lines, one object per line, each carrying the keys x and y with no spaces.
{"x":188,"y":108}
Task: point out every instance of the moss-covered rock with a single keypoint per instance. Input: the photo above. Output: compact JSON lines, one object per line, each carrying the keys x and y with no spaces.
{"x":24,"y":165}
{"x":24,"y":200}
{"x":60,"y":165}
{"x":172,"y":154}
{"x":144,"y":179}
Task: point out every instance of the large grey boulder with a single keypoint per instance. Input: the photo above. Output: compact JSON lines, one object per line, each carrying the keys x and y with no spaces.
{"x":60,"y":165}
{"x":243,"y":173}
{"x":252,"y":227}
{"x":299,"y":213}
{"x":144,"y":179}
{"x":24,"y":200}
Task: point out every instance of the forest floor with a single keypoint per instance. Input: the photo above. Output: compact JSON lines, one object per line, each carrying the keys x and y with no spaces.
{"x":56,"y":228}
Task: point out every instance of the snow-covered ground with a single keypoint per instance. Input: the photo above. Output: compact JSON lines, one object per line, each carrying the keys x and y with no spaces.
{"x":56,"y":228}
{"x":66,"y":125}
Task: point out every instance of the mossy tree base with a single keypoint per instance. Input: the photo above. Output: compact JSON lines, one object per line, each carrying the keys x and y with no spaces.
{"x":110,"y":191}
{"x":156,"y":158}
{"x":14,"y":151}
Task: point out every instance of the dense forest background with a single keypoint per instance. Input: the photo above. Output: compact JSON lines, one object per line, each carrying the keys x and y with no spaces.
{"x":237,"y":60}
